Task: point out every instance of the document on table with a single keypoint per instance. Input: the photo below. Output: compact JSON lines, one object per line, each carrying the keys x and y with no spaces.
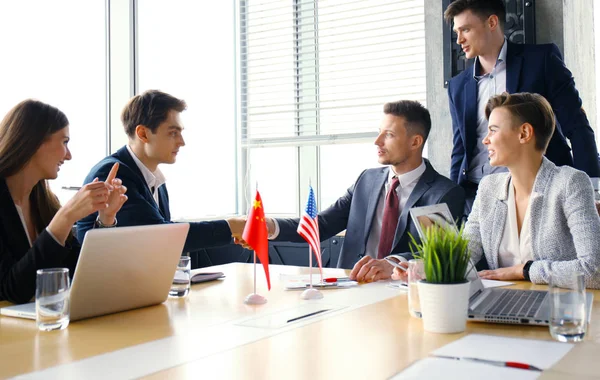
{"x":300,"y":282}
{"x":495,"y":283}
{"x":540,"y":353}
{"x":447,"y":369}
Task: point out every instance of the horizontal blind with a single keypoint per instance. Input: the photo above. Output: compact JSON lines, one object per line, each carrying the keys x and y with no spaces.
{"x":316,"y":70}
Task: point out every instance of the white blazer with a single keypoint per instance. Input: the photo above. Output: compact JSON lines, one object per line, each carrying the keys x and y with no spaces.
{"x":565,"y":226}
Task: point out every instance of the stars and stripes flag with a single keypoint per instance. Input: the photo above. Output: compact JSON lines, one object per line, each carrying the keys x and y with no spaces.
{"x":308,"y":227}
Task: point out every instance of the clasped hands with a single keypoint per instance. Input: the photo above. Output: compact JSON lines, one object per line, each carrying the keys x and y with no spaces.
{"x":237,"y":225}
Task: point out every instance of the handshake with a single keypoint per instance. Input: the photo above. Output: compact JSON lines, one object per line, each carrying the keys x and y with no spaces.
{"x":237,"y":225}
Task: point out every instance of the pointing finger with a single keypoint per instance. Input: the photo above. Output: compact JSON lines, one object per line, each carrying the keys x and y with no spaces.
{"x":113,"y":173}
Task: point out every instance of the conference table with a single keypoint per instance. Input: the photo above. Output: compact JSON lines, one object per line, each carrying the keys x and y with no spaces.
{"x":212,"y":334}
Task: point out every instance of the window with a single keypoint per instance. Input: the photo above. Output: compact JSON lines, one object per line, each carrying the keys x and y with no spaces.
{"x":341,"y":164}
{"x":314,"y":76}
{"x":56,"y":54}
{"x":186,"y":48}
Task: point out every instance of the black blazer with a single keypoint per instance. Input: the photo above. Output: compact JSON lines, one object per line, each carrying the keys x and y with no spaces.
{"x":141,"y":209}
{"x":18,"y":261}
{"x":355,"y":211}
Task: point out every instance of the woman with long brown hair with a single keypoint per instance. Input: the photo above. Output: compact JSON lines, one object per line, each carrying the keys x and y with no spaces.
{"x":35,"y":231}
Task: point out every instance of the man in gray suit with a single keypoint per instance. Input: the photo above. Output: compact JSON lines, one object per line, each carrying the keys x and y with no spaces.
{"x":375,"y":210}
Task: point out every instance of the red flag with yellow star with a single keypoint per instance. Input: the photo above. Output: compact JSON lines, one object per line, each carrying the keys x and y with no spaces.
{"x":256,"y":234}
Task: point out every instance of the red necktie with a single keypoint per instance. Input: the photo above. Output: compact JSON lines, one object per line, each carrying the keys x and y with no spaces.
{"x":391,"y":213}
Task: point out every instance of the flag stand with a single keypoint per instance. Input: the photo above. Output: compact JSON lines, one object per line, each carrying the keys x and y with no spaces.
{"x":255,"y":299}
{"x":311,"y":293}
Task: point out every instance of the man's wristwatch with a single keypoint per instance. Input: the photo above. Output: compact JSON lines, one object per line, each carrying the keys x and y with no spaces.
{"x":526,"y":270}
{"x":99,"y":224}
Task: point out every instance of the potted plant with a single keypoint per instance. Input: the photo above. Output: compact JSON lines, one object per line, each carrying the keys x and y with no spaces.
{"x":444,"y":294}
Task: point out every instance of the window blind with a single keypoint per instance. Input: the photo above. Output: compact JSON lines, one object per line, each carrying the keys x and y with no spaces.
{"x":314,"y":72}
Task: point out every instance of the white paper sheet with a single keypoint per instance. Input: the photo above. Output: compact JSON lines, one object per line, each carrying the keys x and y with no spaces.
{"x":540,"y":353}
{"x":495,"y":283}
{"x":447,"y":369}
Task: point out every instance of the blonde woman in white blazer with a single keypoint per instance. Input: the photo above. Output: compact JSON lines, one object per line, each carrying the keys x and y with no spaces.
{"x":537,"y":218}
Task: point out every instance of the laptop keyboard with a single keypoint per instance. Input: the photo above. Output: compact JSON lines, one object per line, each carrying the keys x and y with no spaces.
{"x":517,"y":303}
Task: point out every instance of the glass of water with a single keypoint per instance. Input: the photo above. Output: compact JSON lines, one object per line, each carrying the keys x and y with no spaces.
{"x":181,"y":281}
{"x":52,"y":304}
{"x":568,"y":316}
{"x":415,"y":274}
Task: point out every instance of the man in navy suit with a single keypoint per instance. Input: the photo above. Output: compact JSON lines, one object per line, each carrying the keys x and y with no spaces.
{"x":361,"y":211}
{"x":503,"y":66}
{"x":152,"y":123}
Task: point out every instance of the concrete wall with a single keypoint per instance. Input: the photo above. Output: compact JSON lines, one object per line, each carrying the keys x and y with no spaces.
{"x":440,"y":138}
{"x":552,"y":18}
{"x":579,"y":52}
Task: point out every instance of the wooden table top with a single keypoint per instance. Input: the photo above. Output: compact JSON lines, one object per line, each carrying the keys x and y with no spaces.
{"x":375,"y":341}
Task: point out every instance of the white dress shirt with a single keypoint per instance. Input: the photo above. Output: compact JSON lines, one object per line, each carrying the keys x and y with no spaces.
{"x":154,"y":180}
{"x":20,"y":212}
{"x":488,"y":85}
{"x":515,"y":249}
{"x":408,"y":181}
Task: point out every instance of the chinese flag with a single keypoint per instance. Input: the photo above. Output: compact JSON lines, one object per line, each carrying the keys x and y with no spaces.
{"x":256,"y":235}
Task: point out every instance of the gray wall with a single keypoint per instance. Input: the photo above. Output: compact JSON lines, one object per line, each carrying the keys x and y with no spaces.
{"x":576,"y":43}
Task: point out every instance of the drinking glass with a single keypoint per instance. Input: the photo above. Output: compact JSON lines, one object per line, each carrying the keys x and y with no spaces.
{"x":568,"y":316}
{"x":182,"y":278}
{"x":415,"y":273}
{"x":52,"y":296}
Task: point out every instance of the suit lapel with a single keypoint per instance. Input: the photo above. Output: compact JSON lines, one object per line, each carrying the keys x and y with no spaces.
{"x":124,"y":156}
{"x":422,"y":186}
{"x":500,"y":214}
{"x":513,"y":67}
{"x":375,"y":192}
{"x":163,"y":197}
{"x":542,"y":179}
{"x":470,"y":113}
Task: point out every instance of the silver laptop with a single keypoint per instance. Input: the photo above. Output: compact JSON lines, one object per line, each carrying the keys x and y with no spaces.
{"x":527,"y":307}
{"x":120,"y":269}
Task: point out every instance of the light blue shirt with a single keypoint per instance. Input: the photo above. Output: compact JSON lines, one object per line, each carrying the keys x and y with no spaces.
{"x":488,"y":85}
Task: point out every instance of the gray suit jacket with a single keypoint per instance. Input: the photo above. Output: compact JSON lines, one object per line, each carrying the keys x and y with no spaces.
{"x":355,"y":211}
{"x":565,"y":227}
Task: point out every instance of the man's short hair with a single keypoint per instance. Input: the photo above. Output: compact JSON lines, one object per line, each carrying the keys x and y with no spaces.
{"x":418,"y":120}
{"x":149,"y":109}
{"x":529,"y":108}
{"x":481,"y":8}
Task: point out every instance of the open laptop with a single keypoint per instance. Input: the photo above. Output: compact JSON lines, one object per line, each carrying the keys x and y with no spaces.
{"x":120,"y":269}
{"x":496,"y":305}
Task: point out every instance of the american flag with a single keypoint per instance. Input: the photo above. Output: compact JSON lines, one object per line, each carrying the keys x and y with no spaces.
{"x":308,"y":227}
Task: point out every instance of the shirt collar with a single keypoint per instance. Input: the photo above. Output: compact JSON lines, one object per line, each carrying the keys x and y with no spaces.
{"x":156,"y":179}
{"x":501,"y":58}
{"x":408,"y":178}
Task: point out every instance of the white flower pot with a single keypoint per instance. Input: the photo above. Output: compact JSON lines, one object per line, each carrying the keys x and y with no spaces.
{"x":444,"y":306}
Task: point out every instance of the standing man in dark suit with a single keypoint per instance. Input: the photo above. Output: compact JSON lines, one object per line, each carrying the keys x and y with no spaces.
{"x":503,"y":66}
{"x":151,"y":121}
{"x":375,"y":210}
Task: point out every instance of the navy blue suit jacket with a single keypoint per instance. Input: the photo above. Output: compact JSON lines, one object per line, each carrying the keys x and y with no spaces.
{"x":355,"y":211}
{"x":529,"y":68}
{"x":141,"y":209}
